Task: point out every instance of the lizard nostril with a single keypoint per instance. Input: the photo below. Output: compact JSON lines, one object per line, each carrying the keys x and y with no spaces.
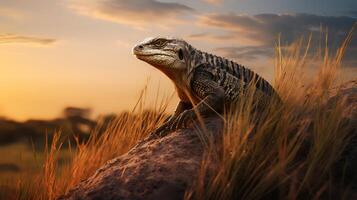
{"x":140,"y":47}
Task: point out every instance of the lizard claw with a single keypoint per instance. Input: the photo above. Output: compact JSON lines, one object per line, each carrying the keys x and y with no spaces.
{"x":183,"y":120}
{"x":160,"y":132}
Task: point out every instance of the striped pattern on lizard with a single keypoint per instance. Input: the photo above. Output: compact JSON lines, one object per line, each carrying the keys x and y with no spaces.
{"x":205,"y":83}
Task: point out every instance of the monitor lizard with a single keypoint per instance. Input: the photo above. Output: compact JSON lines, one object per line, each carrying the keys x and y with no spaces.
{"x":205,"y":83}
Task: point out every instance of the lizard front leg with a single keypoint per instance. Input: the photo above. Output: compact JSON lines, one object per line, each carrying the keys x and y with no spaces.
{"x":212,"y":95}
{"x":166,"y":127}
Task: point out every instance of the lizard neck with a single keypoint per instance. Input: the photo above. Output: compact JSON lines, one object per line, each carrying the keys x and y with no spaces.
{"x":196,"y":58}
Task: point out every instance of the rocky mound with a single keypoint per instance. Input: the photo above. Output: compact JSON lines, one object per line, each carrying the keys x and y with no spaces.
{"x":156,"y":169}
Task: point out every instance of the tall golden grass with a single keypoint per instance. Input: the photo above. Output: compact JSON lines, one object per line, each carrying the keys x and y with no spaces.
{"x":285,"y":151}
{"x":119,"y":137}
{"x":288,"y":150}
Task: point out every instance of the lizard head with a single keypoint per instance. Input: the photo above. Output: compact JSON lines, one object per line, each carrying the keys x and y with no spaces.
{"x":165,"y":54}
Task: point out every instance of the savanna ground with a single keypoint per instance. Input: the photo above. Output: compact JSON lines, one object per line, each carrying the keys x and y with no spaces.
{"x":258,"y":159}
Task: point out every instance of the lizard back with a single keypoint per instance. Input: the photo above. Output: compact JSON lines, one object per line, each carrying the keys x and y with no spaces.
{"x":229,"y":74}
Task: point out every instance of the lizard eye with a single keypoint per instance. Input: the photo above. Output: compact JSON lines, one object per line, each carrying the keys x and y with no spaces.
{"x":159,"y":43}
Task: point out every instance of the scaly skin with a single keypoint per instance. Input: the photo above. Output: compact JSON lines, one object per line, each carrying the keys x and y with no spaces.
{"x":205,"y":83}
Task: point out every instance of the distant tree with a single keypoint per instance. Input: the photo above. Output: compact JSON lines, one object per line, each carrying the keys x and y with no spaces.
{"x":79,"y":120}
{"x":76,"y":112}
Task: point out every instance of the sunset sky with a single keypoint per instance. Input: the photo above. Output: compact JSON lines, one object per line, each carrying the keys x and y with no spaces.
{"x":57,"y":53}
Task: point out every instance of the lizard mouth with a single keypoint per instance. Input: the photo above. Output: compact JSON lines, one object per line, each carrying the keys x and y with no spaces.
{"x":150,"y":54}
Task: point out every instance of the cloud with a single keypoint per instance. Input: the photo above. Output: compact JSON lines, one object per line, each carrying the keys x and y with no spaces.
{"x":246,"y":52}
{"x":264,"y":28}
{"x":216,"y":2}
{"x":257,"y":31}
{"x":14,"y":38}
{"x":133,"y":12}
{"x":210,"y":37}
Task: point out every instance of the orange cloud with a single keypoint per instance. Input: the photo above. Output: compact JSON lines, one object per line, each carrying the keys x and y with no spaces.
{"x":216,"y":2}
{"x":14,"y":38}
{"x":139,"y":13}
{"x":210,"y":37}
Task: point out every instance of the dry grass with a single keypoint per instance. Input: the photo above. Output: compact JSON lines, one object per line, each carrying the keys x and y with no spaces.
{"x":286,"y":151}
{"x":118,"y":137}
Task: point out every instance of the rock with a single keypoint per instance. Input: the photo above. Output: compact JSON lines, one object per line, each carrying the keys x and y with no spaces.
{"x":156,"y":169}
